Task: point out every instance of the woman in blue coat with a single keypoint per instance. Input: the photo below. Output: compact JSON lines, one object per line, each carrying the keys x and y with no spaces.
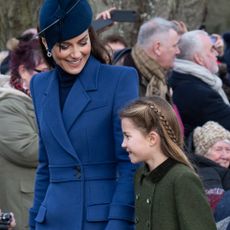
{"x":84,"y":178}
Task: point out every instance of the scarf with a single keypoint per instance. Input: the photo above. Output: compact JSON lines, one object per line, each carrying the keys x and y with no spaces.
{"x":198,"y":71}
{"x":153,"y":76}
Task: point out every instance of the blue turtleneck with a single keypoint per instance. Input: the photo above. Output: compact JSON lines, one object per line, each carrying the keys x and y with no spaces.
{"x":66,"y":82}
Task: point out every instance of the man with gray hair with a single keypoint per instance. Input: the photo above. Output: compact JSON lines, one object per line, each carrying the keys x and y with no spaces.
{"x":197,"y":90}
{"x":153,"y":55}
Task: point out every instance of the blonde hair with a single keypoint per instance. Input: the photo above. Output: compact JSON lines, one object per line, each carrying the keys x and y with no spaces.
{"x":154,"y":113}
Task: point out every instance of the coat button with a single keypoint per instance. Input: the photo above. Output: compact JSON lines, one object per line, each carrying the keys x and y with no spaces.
{"x":137,"y":196}
{"x":148,"y":200}
{"x":78,"y":172}
{"x":148,"y":224}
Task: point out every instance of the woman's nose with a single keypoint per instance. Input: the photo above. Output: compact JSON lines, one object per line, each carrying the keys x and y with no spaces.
{"x":75,"y":52}
{"x":123,"y":145}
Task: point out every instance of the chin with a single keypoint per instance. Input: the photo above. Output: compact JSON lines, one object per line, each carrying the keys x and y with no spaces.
{"x":73,"y":71}
{"x":133,"y":160}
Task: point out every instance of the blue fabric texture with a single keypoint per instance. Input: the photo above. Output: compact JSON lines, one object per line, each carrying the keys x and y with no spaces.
{"x":84,"y":179}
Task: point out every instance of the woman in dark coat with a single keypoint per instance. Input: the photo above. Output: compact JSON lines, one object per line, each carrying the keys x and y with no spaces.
{"x":212,"y":158}
{"x":84,"y":178}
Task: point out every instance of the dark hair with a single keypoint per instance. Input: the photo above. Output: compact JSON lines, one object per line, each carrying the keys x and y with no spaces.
{"x":27,"y":53}
{"x":114,"y":38}
{"x":98,"y":50}
{"x":155,"y":113}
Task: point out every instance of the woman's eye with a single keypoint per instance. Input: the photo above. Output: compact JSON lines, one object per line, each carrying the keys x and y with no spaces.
{"x":83,"y":43}
{"x":63,"y":46}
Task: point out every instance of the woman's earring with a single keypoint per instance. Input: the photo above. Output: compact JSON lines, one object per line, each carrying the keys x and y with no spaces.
{"x":49,"y":54}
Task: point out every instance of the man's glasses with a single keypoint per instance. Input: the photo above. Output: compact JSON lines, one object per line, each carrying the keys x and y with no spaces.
{"x":38,"y":70}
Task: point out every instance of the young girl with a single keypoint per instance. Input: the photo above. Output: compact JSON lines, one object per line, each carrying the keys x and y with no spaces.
{"x":169,"y":195}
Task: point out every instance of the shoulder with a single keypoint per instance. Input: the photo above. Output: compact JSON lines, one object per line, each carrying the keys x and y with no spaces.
{"x":118,"y":70}
{"x":40,"y":82}
{"x":41,"y":77}
{"x":184,"y":176}
{"x":15,"y":103}
{"x":180,"y":171}
{"x":119,"y":75}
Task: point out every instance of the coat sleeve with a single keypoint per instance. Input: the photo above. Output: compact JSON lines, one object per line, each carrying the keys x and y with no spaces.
{"x":192,"y":207}
{"x":121,"y":215}
{"x":42,"y":173}
{"x":18,"y":139}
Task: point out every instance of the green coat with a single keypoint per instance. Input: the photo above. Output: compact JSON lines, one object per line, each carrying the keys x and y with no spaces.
{"x":171,"y":197}
{"x":18,"y":152}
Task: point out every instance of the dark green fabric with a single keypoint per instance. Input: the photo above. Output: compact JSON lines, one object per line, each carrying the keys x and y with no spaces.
{"x":176,"y":202}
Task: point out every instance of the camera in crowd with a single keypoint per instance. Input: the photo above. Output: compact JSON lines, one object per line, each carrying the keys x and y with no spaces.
{"x":5,"y":220}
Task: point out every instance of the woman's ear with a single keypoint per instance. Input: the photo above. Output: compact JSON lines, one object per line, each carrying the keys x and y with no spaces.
{"x":44,"y":43}
{"x":21,"y":71}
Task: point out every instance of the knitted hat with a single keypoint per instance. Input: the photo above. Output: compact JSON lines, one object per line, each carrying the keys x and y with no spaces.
{"x":60,"y":20}
{"x":206,"y":136}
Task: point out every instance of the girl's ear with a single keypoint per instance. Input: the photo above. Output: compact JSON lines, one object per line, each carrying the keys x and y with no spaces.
{"x":153,"y":138}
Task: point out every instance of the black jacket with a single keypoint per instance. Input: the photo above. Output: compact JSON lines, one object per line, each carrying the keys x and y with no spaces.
{"x":197,"y":102}
{"x":212,"y":174}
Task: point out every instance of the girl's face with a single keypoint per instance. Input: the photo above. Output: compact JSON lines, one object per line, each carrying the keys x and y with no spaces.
{"x":220,"y":153}
{"x":72,"y":55}
{"x":135,"y":142}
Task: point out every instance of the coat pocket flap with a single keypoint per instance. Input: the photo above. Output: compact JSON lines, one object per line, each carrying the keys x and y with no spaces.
{"x":27,"y":186}
{"x":41,"y":214}
{"x":98,"y":212}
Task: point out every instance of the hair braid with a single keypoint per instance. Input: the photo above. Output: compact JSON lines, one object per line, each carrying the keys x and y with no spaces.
{"x":165,"y":123}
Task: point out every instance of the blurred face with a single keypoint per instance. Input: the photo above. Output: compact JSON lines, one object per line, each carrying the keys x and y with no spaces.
{"x":208,"y":55}
{"x":72,"y":55}
{"x":26,"y":74}
{"x":220,"y":153}
{"x":169,"y":49}
{"x":115,"y":46}
{"x":135,"y":142}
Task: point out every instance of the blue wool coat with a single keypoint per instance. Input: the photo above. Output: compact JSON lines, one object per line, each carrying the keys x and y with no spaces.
{"x":84,"y":179}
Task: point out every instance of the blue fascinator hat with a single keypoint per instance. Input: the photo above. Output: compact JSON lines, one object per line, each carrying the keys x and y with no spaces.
{"x":60,"y":20}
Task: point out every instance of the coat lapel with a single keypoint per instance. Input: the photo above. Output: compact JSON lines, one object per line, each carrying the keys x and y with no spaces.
{"x":53,"y":116}
{"x":78,"y":97}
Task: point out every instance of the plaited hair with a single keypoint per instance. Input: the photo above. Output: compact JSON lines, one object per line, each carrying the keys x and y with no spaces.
{"x":155,"y":114}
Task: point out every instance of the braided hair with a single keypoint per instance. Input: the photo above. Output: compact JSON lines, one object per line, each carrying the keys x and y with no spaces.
{"x":155,"y":113}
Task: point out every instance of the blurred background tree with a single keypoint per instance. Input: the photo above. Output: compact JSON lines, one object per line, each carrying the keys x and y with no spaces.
{"x":18,"y":15}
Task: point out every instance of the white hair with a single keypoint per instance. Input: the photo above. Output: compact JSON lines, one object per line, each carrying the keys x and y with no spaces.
{"x":154,"y":28}
{"x":190,"y":43}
